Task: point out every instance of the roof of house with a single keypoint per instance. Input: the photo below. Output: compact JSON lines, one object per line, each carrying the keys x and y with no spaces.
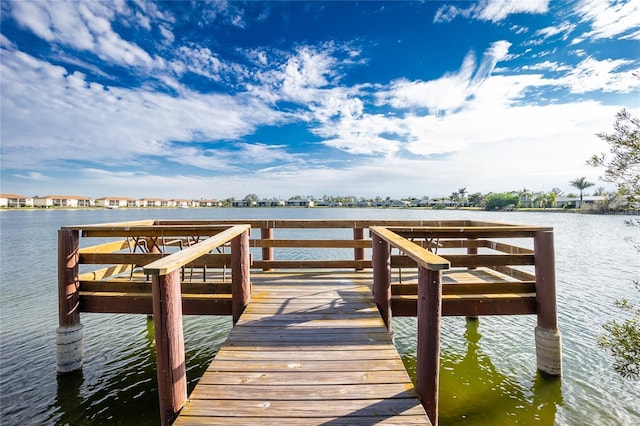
{"x":66,"y":197}
{"x":14,"y":196}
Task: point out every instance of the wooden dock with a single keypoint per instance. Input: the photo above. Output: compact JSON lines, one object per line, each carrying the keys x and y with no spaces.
{"x":310,"y":351}
{"x":309,"y":347}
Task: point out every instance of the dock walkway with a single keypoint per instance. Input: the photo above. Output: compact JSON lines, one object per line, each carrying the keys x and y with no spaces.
{"x":309,"y":350}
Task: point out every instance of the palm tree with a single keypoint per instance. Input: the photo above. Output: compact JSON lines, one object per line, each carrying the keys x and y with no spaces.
{"x":462,"y":192}
{"x":581,"y":184}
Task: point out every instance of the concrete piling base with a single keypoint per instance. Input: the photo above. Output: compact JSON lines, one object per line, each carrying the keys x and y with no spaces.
{"x":69,"y":348}
{"x":549,"y":351}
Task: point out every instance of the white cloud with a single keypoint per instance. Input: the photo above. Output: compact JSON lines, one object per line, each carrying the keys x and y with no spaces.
{"x":611,"y":19}
{"x":565,"y":28}
{"x":497,"y":10}
{"x":491,"y":10}
{"x":36,"y":176}
{"x":443,"y":94}
{"x":594,"y":75}
{"x":548,"y":66}
{"x":364,"y":135}
{"x":58,"y":115}
{"x":83,"y":26}
{"x":305,"y":72}
{"x":450,"y":91}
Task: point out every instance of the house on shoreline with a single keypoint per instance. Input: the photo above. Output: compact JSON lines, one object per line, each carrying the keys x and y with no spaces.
{"x":71,"y":201}
{"x":116,"y":202}
{"x":15,"y":201}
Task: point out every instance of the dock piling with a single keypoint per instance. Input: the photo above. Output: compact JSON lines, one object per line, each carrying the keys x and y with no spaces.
{"x":428,"y":346}
{"x":69,"y":333}
{"x":547,"y":335}
{"x":170,"y":356}
{"x":240,"y":274}
{"x":381,"y":259}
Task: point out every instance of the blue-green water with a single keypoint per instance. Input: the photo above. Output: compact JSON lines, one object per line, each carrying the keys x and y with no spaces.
{"x":488,"y":374}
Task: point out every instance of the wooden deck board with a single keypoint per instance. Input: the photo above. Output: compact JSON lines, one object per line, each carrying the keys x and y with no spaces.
{"x":304,"y":353}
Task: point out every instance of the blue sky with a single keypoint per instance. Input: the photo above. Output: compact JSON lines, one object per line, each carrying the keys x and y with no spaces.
{"x":220,"y":99}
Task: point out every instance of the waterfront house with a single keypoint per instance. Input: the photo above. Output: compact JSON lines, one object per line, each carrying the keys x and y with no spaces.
{"x":299,"y":202}
{"x":68,"y":201}
{"x":274,"y":202}
{"x":574,"y":201}
{"x":208,"y":203}
{"x":115,"y":202}
{"x":244,"y":203}
{"x":181,"y":202}
{"x":152,"y":202}
{"x":15,"y":200}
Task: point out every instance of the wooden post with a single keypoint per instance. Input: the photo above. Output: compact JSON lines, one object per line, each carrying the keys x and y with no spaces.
{"x":381,"y":259}
{"x":358,"y":252}
{"x":170,"y":356}
{"x":267,"y":252}
{"x":240,"y":275}
{"x":471,"y":251}
{"x":428,"y":348}
{"x":548,"y":339}
{"x":69,"y":333}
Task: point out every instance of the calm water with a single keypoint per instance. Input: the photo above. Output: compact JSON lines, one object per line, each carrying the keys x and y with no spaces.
{"x":488,"y":374}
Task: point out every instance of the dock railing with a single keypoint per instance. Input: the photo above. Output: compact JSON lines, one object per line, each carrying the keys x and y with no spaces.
{"x":166,"y":291}
{"x":429,"y":303}
{"x":472,"y":267}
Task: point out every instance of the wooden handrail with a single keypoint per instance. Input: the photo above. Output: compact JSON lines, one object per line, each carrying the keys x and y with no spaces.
{"x":179,"y":259}
{"x":421,"y":256}
{"x":469,"y":231}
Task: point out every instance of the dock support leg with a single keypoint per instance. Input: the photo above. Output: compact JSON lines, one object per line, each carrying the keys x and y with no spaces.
{"x":170,"y":356}
{"x":267,"y":252}
{"x":381,"y":259}
{"x":472,"y":250}
{"x":547,"y":335}
{"x":358,"y":252}
{"x":69,"y":332}
{"x":428,"y":347}
{"x":240,"y":275}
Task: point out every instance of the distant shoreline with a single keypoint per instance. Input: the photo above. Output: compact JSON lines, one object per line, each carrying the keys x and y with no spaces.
{"x":477,"y":209}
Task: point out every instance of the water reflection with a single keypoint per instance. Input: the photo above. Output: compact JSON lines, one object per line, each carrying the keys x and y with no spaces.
{"x":474,"y":392}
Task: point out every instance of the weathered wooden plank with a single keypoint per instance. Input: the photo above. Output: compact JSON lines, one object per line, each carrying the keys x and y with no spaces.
{"x":142,"y":259}
{"x":307,"y":365}
{"x":308,"y":392}
{"x":140,"y":303}
{"x":322,"y":224}
{"x":103,"y":273}
{"x":470,"y":288}
{"x":230,"y":353}
{"x":419,"y":254}
{"x":303,"y":408}
{"x":508,"y":231}
{"x":284,"y":378}
{"x":109,"y":247}
{"x":470,"y":260}
{"x":312,"y":264}
{"x":515,"y":273}
{"x":143,"y":222}
{"x":311,"y":243}
{"x":126,"y":286}
{"x":401,"y":420}
{"x":183,"y":257}
{"x":471,"y":305}
{"x":293,"y":318}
